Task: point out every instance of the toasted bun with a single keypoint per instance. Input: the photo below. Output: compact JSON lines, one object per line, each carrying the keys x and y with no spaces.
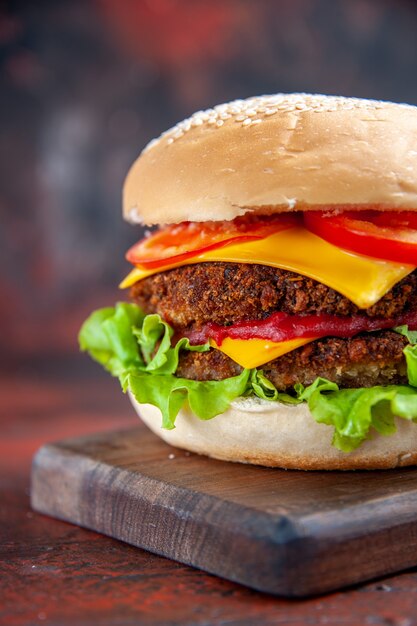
{"x":279,"y":153}
{"x":276,"y":435}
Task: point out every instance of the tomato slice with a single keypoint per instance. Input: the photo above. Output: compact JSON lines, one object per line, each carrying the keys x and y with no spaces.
{"x":178,"y":242}
{"x":388,"y":235}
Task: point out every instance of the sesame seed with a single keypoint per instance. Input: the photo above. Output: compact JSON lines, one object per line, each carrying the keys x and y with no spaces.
{"x":254,"y":110}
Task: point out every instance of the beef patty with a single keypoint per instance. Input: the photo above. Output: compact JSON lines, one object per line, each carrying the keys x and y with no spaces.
{"x":362,"y":361}
{"x":188,"y":297}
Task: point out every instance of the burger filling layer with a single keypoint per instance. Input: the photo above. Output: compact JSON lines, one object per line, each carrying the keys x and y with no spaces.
{"x":296,"y":316}
{"x":362,"y":361}
{"x":193,"y":297}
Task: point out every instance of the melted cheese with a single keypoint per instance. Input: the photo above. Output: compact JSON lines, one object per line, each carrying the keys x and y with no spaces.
{"x":361,"y":279}
{"x":254,"y":352}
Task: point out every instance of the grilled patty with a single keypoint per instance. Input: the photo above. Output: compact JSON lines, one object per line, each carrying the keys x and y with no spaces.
{"x":362,"y":361}
{"x":190,"y":296}
{"x":225,"y":293}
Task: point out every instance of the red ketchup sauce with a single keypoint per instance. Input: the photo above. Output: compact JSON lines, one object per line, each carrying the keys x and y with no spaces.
{"x":282,"y":327}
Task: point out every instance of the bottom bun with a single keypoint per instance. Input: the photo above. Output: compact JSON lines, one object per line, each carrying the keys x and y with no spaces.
{"x":277,"y":435}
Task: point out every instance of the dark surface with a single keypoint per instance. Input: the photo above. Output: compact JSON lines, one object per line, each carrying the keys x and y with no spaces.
{"x":284,"y":532}
{"x":54,"y":573}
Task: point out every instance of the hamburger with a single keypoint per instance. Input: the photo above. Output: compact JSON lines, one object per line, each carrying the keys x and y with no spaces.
{"x":272,"y":313}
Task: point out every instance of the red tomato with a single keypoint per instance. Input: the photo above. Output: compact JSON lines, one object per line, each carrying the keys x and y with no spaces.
{"x":388,"y":235}
{"x":178,"y":242}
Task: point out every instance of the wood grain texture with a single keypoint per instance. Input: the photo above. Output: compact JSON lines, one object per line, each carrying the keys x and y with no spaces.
{"x":56,"y":573}
{"x":282,"y":532}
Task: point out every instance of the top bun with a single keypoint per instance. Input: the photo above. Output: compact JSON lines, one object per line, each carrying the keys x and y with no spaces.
{"x":281,"y":152}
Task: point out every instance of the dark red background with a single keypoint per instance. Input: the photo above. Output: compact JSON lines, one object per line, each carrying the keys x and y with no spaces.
{"x":83,"y":86}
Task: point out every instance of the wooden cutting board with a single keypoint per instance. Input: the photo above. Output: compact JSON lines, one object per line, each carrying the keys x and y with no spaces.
{"x":283,"y":532}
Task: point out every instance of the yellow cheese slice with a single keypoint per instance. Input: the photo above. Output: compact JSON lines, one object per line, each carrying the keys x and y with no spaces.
{"x":254,"y":352}
{"x":361,"y":279}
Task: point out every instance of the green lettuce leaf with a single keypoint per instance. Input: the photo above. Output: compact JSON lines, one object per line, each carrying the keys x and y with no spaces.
{"x":410,"y":334}
{"x":410,"y":353}
{"x":124,"y":339}
{"x":169,"y":393}
{"x":107,"y":335}
{"x":355,"y":412}
{"x":352,"y":412}
{"x":137,"y":349}
{"x":260,"y":386}
{"x":162,"y":359}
